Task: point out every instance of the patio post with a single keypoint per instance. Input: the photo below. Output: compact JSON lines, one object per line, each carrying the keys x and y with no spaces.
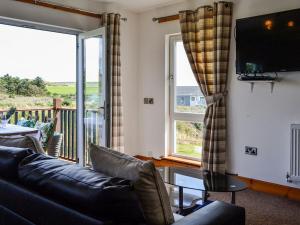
{"x":57,"y":105}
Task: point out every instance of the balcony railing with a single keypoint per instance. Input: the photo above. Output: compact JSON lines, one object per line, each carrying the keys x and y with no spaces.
{"x":66,"y":124}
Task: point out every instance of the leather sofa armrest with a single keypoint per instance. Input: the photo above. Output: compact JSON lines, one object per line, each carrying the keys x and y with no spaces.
{"x":216,"y":213}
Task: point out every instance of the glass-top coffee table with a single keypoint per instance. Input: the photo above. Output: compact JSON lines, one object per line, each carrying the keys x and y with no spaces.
{"x":200,"y":180}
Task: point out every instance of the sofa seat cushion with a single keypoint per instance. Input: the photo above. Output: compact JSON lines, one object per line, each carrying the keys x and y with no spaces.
{"x":10,"y":157}
{"x":87,"y":191}
{"x":147,"y":181}
{"x":22,"y":142}
{"x":177,"y":217}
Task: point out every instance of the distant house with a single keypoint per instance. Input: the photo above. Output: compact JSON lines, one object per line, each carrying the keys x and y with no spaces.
{"x":189,"y":96}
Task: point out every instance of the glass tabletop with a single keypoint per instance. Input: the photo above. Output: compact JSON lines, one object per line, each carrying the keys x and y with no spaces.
{"x":198,"y":179}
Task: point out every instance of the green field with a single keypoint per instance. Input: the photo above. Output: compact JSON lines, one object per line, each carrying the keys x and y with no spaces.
{"x":70,"y":88}
{"x":62,"y":89}
{"x":65,"y":91}
{"x":188,"y":150}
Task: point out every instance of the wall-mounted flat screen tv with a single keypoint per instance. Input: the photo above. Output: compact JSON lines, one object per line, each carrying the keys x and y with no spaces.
{"x":268,"y":43}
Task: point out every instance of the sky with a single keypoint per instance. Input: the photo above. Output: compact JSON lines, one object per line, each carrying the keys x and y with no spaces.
{"x":92,"y":55}
{"x":184,"y":73}
{"x":28,"y":53}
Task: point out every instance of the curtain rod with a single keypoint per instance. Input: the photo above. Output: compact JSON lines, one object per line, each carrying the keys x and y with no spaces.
{"x":165,"y":19}
{"x":63,"y":8}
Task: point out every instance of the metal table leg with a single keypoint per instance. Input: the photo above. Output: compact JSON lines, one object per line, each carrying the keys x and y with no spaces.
{"x":204,"y":197}
{"x":180,"y":200}
{"x":233,"y":197}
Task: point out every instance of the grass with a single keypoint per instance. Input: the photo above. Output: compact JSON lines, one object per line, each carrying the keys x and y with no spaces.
{"x":62,"y":89}
{"x":191,"y":109}
{"x":188,"y":150}
{"x":70,"y":88}
{"x":57,"y":90}
{"x":22,"y":102}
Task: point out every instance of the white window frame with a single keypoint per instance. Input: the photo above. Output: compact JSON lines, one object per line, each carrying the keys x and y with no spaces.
{"x":81,"y":92}
{"x":182,"y":116}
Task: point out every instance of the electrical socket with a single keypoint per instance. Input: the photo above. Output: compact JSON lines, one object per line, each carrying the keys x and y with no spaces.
{"x":146,"y":101}
{"x":149,"y":101}
{"x":251,"y":150}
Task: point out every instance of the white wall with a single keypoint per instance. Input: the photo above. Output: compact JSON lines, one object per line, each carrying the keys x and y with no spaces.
{"x":262,"y":119}
{"x":129,"y":39}
{"x":259,"y":119}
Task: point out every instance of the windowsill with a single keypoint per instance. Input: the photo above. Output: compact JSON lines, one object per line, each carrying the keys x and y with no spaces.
{"x":183,"y":160}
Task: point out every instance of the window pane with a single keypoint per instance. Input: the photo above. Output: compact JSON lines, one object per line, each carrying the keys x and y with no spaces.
{"x":188,"y":139}
{"x":188,"y":95}
{"x":42,"y":66}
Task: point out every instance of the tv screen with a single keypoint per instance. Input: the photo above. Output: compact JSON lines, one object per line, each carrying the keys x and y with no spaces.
{"x":268,"y":43}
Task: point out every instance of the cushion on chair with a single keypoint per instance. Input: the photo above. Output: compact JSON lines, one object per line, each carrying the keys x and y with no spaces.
{"x":46,"y":130}
{"x":10,"y":157}
{"x":22,"y":142}
{"x":147,"y":181}
{"x":80,"y":188}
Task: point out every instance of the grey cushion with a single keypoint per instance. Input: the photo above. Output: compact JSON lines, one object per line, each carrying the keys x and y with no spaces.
{"x":22,"y":142}
{"x":147,"y":182}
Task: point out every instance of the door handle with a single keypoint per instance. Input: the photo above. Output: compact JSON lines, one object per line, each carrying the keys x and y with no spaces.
{"x":104,"y":110}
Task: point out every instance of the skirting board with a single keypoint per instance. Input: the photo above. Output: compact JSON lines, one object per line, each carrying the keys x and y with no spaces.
{"x":253,"y":184}
{"x":271,"y":188}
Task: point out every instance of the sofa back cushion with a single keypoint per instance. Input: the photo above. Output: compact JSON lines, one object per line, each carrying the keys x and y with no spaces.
{"x":82,"y":189}
{"x":10,"y":157}
{"x":22,"y":142}
{"x":147,"y":182}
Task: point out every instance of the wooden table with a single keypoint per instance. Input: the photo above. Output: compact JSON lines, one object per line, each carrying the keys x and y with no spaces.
{"x":13,"y":130}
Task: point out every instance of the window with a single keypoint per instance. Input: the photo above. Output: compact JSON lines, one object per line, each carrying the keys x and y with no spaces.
{"x":38,"y":75}
{"x":187,"y":105}
{"x":51,"y":64}
{"x":40,"y":63}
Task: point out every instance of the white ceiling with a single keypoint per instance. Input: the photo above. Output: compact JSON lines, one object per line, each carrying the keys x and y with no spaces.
{"x":141,"y":5}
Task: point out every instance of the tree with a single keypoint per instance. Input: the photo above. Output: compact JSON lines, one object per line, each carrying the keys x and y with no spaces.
{"x":24,"y":87}
{"x":10,"y":84}
{"x":39,"y":82}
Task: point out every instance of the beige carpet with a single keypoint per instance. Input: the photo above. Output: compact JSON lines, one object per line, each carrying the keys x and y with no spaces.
{"x":264,"y":209}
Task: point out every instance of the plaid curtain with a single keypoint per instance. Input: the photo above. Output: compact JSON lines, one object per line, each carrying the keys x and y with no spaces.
{"x":206,"y":38}
{"x":112,"y":23}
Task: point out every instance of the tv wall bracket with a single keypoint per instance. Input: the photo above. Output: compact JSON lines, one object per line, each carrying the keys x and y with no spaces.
{"x":253,"y":82}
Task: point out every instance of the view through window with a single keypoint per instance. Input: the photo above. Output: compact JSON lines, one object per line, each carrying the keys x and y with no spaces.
{"x":35,"y":67}
{"x":188,"y":105}
{"x":38,"y":70}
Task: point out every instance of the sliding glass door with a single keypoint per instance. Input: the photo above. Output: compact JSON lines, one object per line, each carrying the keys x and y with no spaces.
{"x":92,"y":92}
